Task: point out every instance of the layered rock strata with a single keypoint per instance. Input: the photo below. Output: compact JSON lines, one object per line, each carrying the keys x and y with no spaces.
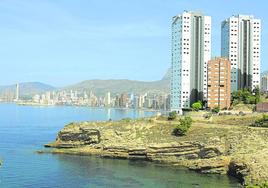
{"x":209,"y":147}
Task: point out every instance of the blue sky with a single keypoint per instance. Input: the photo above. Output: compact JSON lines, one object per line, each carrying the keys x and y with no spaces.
{"x":61,"y":42}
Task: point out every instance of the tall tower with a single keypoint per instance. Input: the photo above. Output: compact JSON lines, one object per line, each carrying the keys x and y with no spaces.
{"x":264,"y":83}
{"x":241,"y":43}
{"x":191,"y":50}
{"x":108,"y":99}
{"x":17,"y":92}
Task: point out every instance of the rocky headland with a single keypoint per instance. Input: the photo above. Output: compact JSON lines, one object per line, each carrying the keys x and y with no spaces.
{"x":223,"y":144}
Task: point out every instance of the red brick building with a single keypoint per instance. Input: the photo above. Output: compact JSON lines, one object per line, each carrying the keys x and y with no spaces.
{"x":219,"y":83}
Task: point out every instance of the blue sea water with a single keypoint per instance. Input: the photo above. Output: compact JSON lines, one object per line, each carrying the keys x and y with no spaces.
{"x":25,"y":129}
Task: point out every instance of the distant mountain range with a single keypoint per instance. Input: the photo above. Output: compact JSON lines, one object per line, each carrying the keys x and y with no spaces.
{"x":99,"y":87}
{"x":27,"y":89}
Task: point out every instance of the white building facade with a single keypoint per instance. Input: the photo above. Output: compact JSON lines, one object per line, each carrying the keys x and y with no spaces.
{"x":191,"y":51}
{"x":107,"y":99}
{"x":241,"y":44}
{"x":264,"y":83}
{"x":17,"y":92}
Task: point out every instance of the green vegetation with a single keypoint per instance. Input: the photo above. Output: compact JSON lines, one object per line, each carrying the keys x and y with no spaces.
{"x":126,"y":119}
{"x":172,"y":116}
{"x":197,"y":106}
{"x":261,"y":122}
{"x":265,"y":185}
{"x":216,"y":110}
{"x":245,"y":96}
{"x":183,"y":126}
{"x":244,"y":107}
{"x":247,"y":143}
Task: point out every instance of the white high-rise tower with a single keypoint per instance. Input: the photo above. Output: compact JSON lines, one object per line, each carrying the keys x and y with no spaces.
{"x":191,"y":50}
{"x":241,"y":44}
{"x":17,"y":92}
{"x":108,"y":99}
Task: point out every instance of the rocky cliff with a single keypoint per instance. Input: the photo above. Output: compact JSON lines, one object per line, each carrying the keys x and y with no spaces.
{"x":222,"y":145}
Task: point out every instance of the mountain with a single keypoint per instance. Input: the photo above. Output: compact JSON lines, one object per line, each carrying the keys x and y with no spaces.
{"x":100,"y":87}
{"x":26,"y":89}
{"x":167,"y":76}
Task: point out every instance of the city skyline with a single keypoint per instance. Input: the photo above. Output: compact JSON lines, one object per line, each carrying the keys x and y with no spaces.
{"x":63,"y":42}
{"x":90,"y":99}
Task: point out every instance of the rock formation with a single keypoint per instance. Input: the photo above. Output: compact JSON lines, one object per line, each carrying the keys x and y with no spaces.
{"x":224,"y":145}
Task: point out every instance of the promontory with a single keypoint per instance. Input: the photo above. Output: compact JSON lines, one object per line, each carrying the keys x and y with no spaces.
{"x":226,"y":144}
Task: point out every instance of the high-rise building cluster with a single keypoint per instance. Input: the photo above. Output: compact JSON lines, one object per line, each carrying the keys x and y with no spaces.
{"x":11,"y":94}
{"x":198,"y":77}
{"x":124,"y":100}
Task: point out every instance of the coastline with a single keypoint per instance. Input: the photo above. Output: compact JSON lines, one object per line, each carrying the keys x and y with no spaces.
{"x":224,"y":145}
{"x":74,"y":105}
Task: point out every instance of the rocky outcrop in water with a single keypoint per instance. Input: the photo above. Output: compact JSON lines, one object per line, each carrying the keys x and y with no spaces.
{"x":80,"y":137}
{"x":226,"y":145}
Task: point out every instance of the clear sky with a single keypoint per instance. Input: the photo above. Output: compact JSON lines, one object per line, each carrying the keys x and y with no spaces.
{"x":61,"y":42}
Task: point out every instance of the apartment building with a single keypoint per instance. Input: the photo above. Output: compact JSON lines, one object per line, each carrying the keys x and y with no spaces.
{"x":241,"y":44}
{"x":191,"y":50}
{"x":264,"y":83}
{"x":219,"y":83}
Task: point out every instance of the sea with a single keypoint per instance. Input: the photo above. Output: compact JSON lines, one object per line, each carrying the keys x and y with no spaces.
{"x":25,"y":129}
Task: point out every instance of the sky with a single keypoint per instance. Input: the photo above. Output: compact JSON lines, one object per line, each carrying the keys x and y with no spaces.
{"x":61,"y":42}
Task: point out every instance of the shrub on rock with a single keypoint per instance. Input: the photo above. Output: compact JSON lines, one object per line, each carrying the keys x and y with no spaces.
{"x":172,"y":116}
{"x":197,"y":106}
{"x":182,"y":128}
{"x":216,"y":110}
{"x":262,"y":122}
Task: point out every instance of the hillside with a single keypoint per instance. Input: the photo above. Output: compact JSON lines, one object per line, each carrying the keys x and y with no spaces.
{"x":26,"y":89}
{"x":100,"y":87}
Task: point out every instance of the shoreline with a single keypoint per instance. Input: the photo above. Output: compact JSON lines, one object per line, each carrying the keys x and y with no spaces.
{"x":224,"y":145}
{"x":86,"y":106}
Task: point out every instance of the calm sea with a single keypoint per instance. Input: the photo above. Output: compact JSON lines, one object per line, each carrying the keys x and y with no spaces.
{"x":25,"y":129}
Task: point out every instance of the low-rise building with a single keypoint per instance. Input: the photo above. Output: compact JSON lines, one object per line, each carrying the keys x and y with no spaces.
{"x":262,"y":107}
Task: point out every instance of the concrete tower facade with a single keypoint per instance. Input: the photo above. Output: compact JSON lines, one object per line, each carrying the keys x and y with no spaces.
{"x":241,"y":44}
{"x":264,"y":83}
{"x":17,"y":92}
{"x":191,"y":50}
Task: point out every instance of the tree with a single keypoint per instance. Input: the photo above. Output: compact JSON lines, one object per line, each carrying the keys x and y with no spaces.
{"x":251,"y":100}
{"x":197,"y":106}
{"x":246,"y":96}
{"x":183,"y":126}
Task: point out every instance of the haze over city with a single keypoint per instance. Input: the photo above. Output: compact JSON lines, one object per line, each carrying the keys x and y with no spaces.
{"x":64,"y":42}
